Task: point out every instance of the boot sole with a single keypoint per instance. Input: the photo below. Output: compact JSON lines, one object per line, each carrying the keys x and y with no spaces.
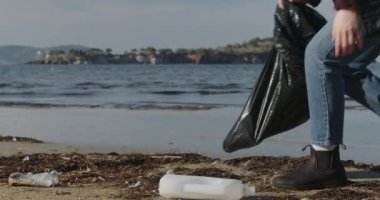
{"x":323,"y":185}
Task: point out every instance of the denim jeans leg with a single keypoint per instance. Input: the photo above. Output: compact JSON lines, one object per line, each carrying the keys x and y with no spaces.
{"x":363,"y":85}
{"x":326,"y":78}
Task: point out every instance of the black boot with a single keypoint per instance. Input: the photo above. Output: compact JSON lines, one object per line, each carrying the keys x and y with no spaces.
{"x":323,"y":170}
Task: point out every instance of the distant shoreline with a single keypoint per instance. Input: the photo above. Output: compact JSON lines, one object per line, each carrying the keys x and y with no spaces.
{"x":254,"y":51}
{"x":210,"y":57}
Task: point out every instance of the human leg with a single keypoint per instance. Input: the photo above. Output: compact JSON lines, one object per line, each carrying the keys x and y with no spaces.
{"x":364,"y":85}
{"x":329,"y":78}
{"x":326,"y":78}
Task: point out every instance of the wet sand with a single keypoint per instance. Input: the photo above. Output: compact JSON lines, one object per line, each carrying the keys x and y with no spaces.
{"x":175,"y":131}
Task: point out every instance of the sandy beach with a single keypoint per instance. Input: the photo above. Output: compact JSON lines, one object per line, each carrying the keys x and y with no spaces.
{"x":136,"y":176}
{"x":111,"y":153}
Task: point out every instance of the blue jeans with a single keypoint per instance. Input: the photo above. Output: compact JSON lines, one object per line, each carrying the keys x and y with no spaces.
{"x":328,"y":78}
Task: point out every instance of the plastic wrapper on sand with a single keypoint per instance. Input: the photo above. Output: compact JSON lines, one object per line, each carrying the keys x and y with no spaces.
{"x":38,"y":180}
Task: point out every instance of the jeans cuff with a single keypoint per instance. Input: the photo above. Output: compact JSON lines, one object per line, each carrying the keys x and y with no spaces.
{"x":324,"y":143}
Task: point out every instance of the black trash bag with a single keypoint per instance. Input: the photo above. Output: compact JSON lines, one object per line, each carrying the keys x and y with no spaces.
{"x":278,"y":101}
{"x":370,"y":16}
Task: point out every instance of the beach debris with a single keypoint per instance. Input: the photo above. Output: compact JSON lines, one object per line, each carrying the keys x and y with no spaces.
{"x":137,"y":184}
{"x":215,"y":163}
{"x":101,"y":178}
{"x":42,"y":179}
{"x":113,"y":154}
{"x":265,"y":179}
{"x":26,"y":159}
{"x":128,"y":172}
{"x":203,"y":187}
{"x":167,"y":157}
{"x":62,"y":193}
{"x":95,"y":179}
{"x":66,"y":158}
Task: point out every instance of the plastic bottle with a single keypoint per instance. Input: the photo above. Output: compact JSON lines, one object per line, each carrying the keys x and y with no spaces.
{"x":42,"y":179}
{"x":198,"y":187}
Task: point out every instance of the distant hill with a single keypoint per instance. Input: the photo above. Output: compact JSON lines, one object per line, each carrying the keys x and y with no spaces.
{"x":254,"y":45}
{"x":254,"y":50}
{"x":67,"y":48}
{"x":17,"y":54}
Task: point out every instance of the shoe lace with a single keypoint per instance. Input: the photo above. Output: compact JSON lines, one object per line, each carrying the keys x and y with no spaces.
{"x":305,"y":147}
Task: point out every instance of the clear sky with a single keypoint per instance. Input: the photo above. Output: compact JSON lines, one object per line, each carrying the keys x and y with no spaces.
{"x":126,"y":24}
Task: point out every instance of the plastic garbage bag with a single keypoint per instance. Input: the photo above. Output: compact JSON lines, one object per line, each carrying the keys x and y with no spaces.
{"x":278,"y":101}
{"x":370,"y":16}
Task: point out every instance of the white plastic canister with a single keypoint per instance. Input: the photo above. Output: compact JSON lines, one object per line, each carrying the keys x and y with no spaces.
{"x":198,"y":187}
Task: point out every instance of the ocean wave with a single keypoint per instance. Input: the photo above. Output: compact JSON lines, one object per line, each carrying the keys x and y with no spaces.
{"x":22,"y":85}
{"x":75,"y":94}
{"x":184,"y":85}
{"x":94,"y":85}
{"x":142,"y":84}
{"x":127,"y":106}
{"x":142,"y":105}
{"x":217,"y":86}
{"x":4,"y":85}
{"x":25,"y":93}
{"x":29,"y":104}
{"x":355,"y":107}
{"x":173,"y":92}
{"x":200,"y":92}
{"x":161,"y":106}
{"x":208,"y":92}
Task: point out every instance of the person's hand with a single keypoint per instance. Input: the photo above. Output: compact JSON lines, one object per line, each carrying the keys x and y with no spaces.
{"x":346,"y":34}
{"x":281,"y":3}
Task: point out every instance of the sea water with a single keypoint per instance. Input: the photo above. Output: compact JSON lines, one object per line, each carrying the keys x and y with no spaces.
{"x":126,"y":86}
{"x":156,"y":108}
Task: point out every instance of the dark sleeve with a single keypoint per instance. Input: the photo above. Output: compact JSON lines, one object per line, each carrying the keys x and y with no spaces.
{"x":340,"y":4}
